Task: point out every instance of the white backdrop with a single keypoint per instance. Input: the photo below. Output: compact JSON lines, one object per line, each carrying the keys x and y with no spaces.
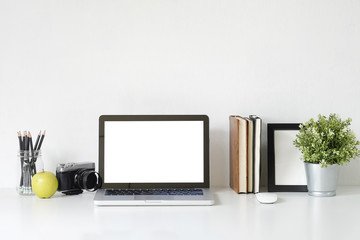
{"x":64,"y":63}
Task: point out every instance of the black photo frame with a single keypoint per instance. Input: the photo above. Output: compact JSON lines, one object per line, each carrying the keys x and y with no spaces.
{"x":286,"y":172}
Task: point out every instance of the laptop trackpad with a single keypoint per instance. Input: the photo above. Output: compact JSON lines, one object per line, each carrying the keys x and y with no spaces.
{"x":154,"y":197}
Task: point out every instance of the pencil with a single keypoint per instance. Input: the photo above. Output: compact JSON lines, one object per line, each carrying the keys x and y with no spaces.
{"x":20,"y":141}
{"x":21,"y":159}
{"x":26,"y":141}
{"x":31,"y":143}
{"x":41,"y":140}
{"x":33,"y":158}
{"x":37,"y":141}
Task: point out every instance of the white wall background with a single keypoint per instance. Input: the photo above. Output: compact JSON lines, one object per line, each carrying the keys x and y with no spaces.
{"x":64,"y":63}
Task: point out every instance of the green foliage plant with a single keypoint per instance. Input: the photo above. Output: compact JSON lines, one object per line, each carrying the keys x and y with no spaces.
{"x":326,"y":141}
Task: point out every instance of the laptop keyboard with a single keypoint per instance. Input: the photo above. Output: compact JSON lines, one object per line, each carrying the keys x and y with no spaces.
{"x":114,"y":192}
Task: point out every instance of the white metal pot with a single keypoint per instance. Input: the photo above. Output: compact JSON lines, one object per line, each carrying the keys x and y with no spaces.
{"x":321,"y":182}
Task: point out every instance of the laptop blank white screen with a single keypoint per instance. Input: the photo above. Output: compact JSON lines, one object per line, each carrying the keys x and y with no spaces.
{"x":153,"y":152}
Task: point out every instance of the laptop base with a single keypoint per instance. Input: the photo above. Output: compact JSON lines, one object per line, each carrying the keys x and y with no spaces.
{"x":206,"y":199}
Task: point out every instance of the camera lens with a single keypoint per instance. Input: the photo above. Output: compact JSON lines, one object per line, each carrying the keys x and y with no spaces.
{"x":89,"y":180}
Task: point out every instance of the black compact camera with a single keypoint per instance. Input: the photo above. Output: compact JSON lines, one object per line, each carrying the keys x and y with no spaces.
{"x":73,"y":178}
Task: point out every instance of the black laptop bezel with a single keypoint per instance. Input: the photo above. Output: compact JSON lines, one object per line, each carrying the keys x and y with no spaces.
{"x":203,"y":118}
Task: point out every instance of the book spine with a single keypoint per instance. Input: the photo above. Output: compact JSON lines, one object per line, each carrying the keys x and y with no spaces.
{"x":234,"y":153}
{"x":243,"y":155}
{"x":257,"y":154}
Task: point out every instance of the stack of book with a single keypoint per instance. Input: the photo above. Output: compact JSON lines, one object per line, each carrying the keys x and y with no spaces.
{"x":245,"y":135}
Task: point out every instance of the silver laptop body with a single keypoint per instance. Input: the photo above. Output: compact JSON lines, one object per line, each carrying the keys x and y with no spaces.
{"x":154,"y":160}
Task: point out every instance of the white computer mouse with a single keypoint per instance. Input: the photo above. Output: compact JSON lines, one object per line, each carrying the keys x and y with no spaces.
{"x":266,"y":197}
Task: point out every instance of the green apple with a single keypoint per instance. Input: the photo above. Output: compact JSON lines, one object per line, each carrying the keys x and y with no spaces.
{"x":44,"y":184}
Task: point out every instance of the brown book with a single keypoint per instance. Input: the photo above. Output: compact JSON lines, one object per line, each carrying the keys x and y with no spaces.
{"x":238,"y":154}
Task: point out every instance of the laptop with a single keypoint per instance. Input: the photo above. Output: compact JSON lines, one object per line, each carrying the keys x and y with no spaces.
{"x":154,"y":160}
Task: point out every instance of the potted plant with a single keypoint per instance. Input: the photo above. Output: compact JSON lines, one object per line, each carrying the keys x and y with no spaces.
{"x":325,"y":144}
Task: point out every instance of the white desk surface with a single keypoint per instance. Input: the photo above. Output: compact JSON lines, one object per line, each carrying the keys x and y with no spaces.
{"x":294,"y":216}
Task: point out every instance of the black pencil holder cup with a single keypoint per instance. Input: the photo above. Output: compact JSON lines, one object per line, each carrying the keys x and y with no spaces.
{"x":30,"y":162}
